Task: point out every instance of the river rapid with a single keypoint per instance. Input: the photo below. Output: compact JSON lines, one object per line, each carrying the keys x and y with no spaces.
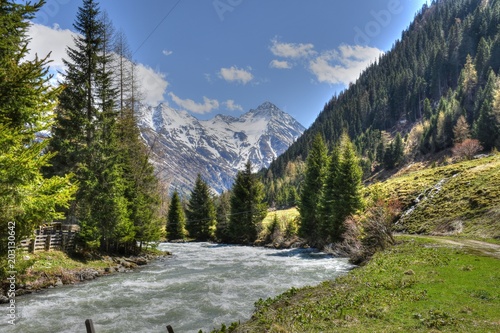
{"x":200,"y":286}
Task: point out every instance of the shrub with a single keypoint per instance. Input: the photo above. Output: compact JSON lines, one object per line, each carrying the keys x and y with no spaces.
{"x":378,"y":224}
{"x":467,"y":149}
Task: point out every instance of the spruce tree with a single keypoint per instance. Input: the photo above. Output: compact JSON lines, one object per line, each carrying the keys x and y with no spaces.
{"x":86,"y":139}
{"x":398,"y":149}
{"x":201,"y":218}
{"x":223,"y":212}
{"x":350,"y":174}
{"x":247,"y":207}
{"x":27,"y":198}
{"x":310,"y":195}
{"x":176,"y":220}
{"x":330,"y":223}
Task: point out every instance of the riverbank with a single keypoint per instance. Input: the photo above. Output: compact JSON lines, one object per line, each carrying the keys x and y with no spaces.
{"x":419,"y":285}
{"x":50,"y":269}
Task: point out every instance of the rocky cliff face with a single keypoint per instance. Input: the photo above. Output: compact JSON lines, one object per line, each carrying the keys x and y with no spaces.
{"x":183,"y":146}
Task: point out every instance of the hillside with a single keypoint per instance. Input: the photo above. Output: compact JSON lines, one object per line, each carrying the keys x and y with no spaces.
{"x":445,"y":66}
{"x":457,"y":199}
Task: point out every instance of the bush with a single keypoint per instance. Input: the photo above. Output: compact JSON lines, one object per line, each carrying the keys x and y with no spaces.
{"x":467,"y":149}
{"x":378,"y":225}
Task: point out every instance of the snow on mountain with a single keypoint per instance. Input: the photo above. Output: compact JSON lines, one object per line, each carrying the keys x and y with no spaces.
{"x":183,"y":146}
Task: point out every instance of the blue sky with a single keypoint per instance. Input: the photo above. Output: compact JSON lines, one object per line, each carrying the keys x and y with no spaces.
{"x":229,"y":56}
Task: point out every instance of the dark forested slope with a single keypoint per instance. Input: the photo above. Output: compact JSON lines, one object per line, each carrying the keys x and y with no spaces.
{"x":444,"y":66}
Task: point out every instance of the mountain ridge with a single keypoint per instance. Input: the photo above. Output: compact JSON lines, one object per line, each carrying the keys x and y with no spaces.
{"x":183,"y":146}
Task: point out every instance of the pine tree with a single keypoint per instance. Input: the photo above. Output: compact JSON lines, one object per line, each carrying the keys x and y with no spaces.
{"x":487,"y":126}
{"x":223,"y":212}
{"x":389,"y":158}
{"x":399,"y":149}
{"x":86,"y":137}
{"x":330,"y":222}
{"x":482,"y":59}
{"x":176,"y":220}
{"x":350,"y":174}
{"x":201,"y":217}
{"x":247,"y":207}
{"x":311,"y":192}
{"x":27,"y":198}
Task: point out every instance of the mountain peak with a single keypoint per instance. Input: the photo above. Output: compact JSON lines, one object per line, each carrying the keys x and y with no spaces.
{"x":267,"y":106}
{"x":216,"y":148}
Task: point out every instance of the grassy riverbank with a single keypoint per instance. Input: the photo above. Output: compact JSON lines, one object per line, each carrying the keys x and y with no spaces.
{"x":420,"y":285}
{"x":48,"y":269}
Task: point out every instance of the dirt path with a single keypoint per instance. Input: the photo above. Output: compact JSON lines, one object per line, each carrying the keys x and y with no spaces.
{"x":488,"y":249}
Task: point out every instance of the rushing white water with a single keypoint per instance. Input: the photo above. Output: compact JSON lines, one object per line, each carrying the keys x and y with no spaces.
{"x":200,"y":287}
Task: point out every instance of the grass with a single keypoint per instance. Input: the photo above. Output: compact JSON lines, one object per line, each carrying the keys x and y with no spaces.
{"x":468,"y":202}
{"x":53,"y":264}
{"x":416,"y":286}
{"x":283,"y":215}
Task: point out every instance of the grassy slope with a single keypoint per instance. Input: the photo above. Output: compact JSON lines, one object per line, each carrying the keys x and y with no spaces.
{"x":467,"y":204}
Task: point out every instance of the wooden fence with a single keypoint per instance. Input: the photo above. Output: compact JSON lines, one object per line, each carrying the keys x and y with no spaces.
{"x":55,"y":240}
{"x":89,"y":325}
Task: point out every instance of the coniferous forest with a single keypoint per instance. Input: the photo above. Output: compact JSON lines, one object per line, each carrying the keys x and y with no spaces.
{"x":93,"y":168}
{"x":442,"y":75}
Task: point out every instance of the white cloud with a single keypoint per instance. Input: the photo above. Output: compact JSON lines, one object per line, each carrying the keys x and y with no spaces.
{"x":45,"y":40}
{"x":292,"y":50}
{"x":280,"y":64}
{"x":152,"y":84}
{"x":167,"y":52}
{"x":230,"y":105}
{"x":200,"y":108}
{"x":343,"y":65}
{"x":235,"y":74}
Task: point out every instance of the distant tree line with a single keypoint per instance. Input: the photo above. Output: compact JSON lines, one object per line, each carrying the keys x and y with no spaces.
{"x":232,"y":217}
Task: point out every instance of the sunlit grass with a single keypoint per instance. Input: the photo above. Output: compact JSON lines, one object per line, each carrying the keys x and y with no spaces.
{"x":467,"y":204}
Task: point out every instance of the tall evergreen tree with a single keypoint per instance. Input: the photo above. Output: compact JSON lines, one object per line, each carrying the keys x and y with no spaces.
{"x":247,"y":207}
{"x":85,"y":135}
{"x":176,"y":220}
{"x":223,"y":212}
{"x":350,"y":173}
{"x":311,"y":191}
{"x":27,"y":198}
{"x":201,"y":217}
{"x":398,"y":149}
{"x":487,"y":126}
{"x":330,"y":223}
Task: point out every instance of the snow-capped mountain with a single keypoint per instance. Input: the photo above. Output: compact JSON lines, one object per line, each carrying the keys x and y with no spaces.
{"x":183,"y":146}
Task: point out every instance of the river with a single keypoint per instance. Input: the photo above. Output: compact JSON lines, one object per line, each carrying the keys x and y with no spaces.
{"x":200,"y":286}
